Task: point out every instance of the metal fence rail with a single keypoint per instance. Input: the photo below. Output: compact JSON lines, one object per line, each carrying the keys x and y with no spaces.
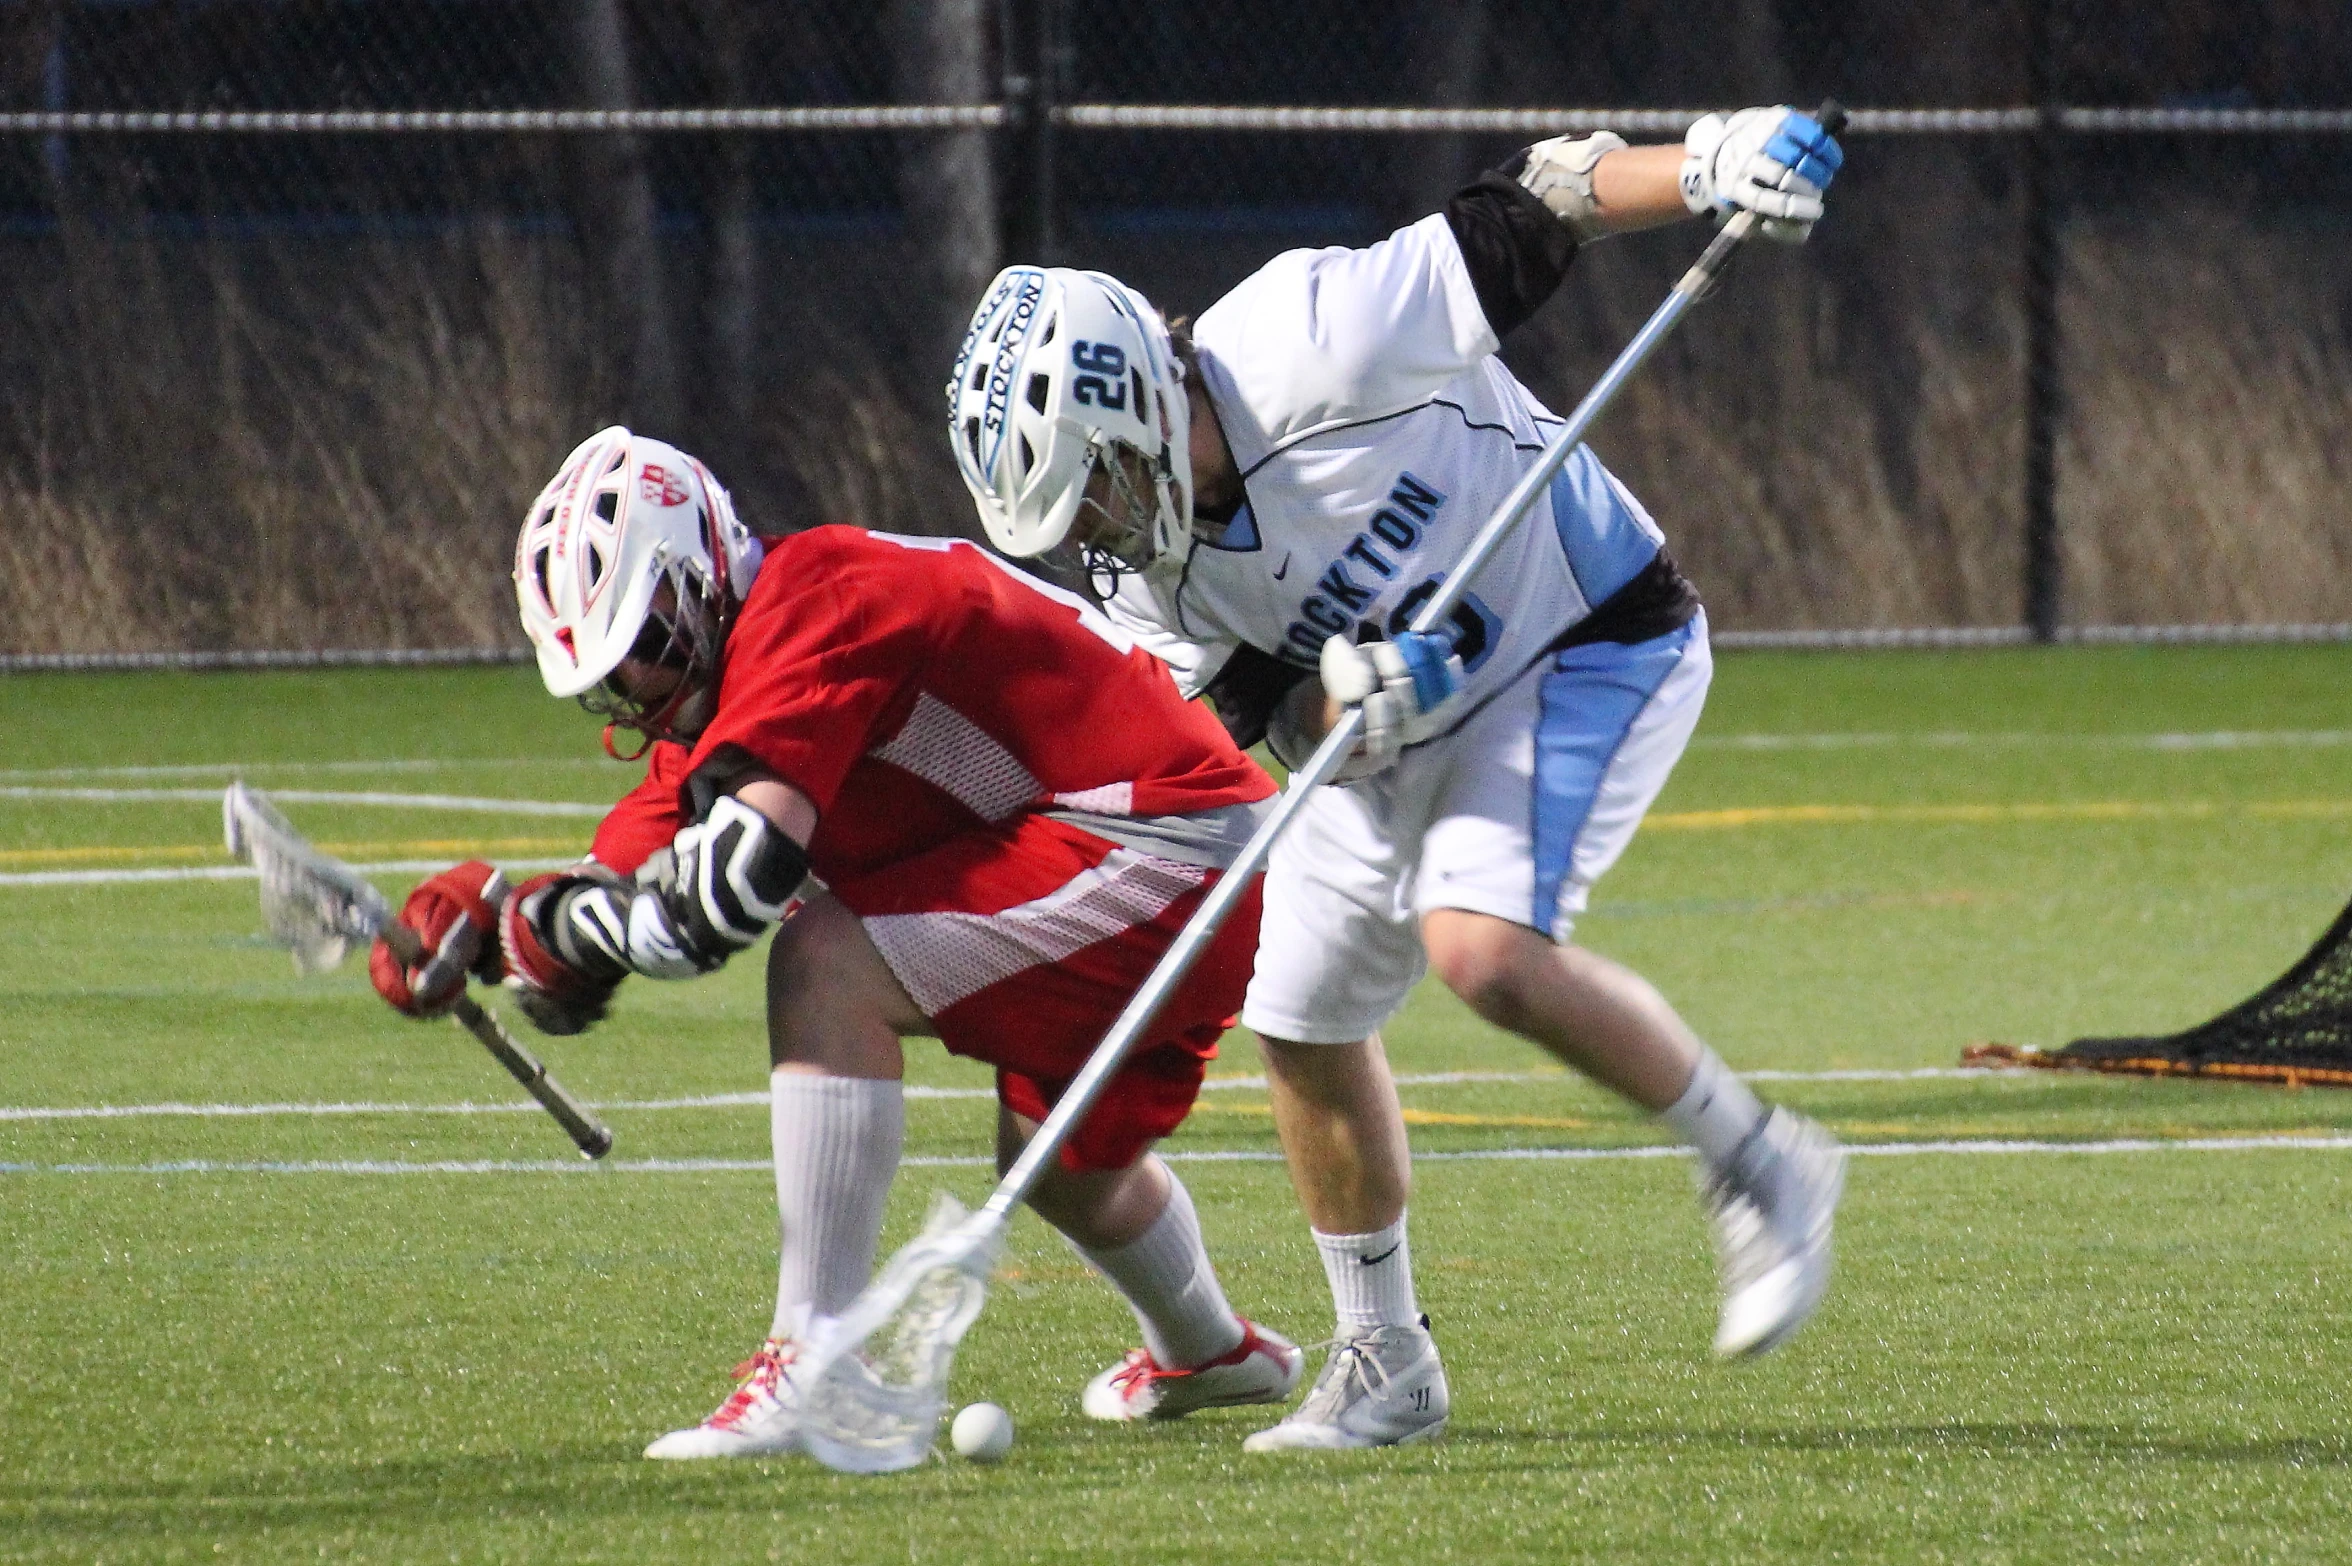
{"x":1370,"y":120}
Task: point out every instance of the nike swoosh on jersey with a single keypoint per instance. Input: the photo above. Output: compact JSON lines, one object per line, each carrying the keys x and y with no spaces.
{"x":1283,"y":569}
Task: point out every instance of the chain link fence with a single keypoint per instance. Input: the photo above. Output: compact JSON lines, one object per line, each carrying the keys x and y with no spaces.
{"x":301,"y":300}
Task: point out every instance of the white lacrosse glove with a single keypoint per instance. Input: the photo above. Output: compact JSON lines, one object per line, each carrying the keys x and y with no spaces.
{"x":1559,"y":173}
{"x":1410,"y":689}
{"x":1773,"y":162}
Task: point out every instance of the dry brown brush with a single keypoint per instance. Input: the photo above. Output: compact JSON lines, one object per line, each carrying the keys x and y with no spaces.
{"x":328,"y":443}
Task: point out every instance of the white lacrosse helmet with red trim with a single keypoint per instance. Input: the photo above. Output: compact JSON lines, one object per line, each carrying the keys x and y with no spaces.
{"x":624,"y":514}
{"x":1059,"y":369}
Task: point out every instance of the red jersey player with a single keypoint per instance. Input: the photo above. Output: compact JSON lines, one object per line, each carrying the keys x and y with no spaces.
{"x":999,"y":813}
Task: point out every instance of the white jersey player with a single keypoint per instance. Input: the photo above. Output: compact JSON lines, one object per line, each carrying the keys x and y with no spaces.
{"x":1276,"y":493}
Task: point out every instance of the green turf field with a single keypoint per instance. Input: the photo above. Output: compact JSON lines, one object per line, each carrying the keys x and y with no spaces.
{"x":215,"y":1352}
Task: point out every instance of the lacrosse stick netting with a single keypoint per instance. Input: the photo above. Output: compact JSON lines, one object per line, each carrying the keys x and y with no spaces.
{"x":318,"y":907}
{"x":314,"y":906}
{"x":880,"y":1383}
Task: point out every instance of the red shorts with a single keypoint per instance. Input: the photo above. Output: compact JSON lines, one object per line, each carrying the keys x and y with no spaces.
{"x":1023,"y":942}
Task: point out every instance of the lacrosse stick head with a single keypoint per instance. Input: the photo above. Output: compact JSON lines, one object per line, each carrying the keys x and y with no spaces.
{"x":875,"y":1389}
{"x":314,"y":906}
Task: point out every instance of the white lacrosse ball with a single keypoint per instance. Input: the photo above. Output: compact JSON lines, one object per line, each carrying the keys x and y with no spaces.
{"x":982,"y":1432}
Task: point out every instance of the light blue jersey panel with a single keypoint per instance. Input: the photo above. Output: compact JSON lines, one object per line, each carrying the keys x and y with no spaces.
{"x":1590,"y":698}
{"x":1604,"y":534}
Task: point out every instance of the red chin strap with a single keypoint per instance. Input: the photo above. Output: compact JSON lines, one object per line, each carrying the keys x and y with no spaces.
{"x":611,"y":750}
{"x":655,"y":725}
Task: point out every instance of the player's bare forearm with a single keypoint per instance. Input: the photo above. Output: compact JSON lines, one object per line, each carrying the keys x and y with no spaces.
{"x":781,"y":803}
{"x":1639,"y":187}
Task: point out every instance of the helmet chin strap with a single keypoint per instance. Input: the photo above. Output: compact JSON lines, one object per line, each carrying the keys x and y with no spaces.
{"x":615,"y":751}
{"x":680,"y":719}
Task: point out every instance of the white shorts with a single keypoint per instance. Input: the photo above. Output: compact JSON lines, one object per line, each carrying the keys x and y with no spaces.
{"x":1515,"y":814}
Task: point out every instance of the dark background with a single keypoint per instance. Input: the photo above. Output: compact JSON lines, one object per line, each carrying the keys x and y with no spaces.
{"x":293,"y":390}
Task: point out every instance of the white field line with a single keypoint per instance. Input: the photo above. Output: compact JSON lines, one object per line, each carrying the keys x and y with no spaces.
{"x":915,"y":1091}
{"x":308,"y":796}
{"x":242,"y":872}
{"x":225,"y":770}
{"x":1960,"y":1149}
{"x":518,"y":1107}
{"x":1915,"y":1073}
{"x":2220,"y":739}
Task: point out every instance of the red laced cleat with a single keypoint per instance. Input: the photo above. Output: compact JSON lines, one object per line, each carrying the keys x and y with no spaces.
{"x":1262,"y":1368}
{"x":759,"y":1419}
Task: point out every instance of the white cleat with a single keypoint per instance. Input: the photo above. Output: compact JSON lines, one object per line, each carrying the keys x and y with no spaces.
{"x":759,"y":1419}
{"x":1263,"y":1368}
{"x":1384,"y":1387}
{"x":1772,"y":1211}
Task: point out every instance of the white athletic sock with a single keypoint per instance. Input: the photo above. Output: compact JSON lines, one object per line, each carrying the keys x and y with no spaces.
{"x":1716,"y":1113}
{"x":1371,"y":1278}
{"x":837,"y":1141}
{"x":1167,"y":1279}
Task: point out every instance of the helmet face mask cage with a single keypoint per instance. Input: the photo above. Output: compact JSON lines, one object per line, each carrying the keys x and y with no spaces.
{"x":689,"y":638}
{"x":1116,"y":537}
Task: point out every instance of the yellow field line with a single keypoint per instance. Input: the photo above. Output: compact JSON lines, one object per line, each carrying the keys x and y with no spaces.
{"x":198,"y":853}
{"x":1419,"y":1117}
{"x":1433,"y":1117}
{"x":1987,"y":815}
{"x":1848,"y":1128}
{"x":1662,"y":821}
{"x":1659,"y":821}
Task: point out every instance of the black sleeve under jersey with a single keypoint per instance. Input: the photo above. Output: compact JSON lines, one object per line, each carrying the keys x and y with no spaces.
{"x":1248,"y":689}
{"x":726,"y":769}
{"x":1516,"y":249}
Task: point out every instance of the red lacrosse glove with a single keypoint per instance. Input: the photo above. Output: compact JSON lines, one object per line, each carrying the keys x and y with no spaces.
{"x":560,"y":997}
{"x":455,"y":917}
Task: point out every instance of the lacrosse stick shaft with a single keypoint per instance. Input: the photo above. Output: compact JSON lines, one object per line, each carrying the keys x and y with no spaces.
{"x":1693,"y":286}
{"x":1173,"y":965}
{"x":589,"y":1134}
{"x":1079,"y":1097}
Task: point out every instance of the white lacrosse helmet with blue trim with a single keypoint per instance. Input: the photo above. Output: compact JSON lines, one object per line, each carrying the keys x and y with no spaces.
{"x":1060,"y":370}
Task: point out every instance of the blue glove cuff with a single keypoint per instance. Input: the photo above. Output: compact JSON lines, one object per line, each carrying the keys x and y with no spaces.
{"x":1426,"y":658}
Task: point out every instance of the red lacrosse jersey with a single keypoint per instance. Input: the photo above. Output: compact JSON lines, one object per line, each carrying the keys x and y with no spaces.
{"x":919,"y":688}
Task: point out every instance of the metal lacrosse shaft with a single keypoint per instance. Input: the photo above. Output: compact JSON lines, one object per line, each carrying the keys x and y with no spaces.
{"x":1112,"y":1052}
{"x":590,"y":1135}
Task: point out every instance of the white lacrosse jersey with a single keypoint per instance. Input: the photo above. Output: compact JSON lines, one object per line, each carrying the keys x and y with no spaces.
{"x":1376,"y":430}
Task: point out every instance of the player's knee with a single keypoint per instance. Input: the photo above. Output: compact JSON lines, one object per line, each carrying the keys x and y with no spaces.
{"x":827,"y":984}
{"x":808,"y":946}
{"x":1101,"y":1208}
{"x":1493,"y":966}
